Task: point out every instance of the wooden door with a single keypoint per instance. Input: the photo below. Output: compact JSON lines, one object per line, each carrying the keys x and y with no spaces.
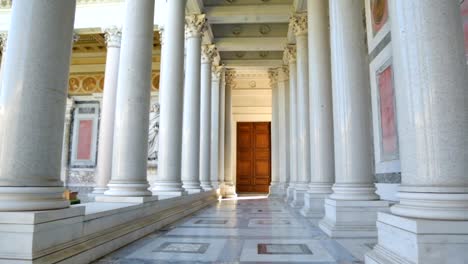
{"x":253,"y":157}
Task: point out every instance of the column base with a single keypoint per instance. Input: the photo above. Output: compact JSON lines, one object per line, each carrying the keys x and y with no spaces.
{"x":192,"y":191}
{"x":419,"y":241}
{"x":289,"y":194}
{"x":98,"y":191}
{"x":276,"y":190}
{"x":169,"y":194}
{"x":298,"y":199}
{"x":192,"y":187}
{"x":351,"y":218}
{"x":206,"y":186}
{"x":123,"y":199}
{"x":166,"y":190}
{"x":229,"y":190}
{"x":128,"y":189}
{"x":314,"y":205}
{"x":32,"y":198}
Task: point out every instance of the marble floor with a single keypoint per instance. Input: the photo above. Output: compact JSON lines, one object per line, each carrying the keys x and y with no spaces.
{"x":243,"y":230}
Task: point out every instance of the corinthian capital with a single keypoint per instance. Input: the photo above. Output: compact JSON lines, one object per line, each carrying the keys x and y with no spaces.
{"x":3,"y":42}
{"x":217,"y":71}
{"x":273,"y":76}
{"x":290,"y":54}
{"x":194,"y":25}
{"x":208,"y":53}
{"x":113,"y":36}
{"x":298,"y":22}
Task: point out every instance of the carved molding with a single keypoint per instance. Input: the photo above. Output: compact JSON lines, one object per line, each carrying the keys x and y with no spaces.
{"x":298,"y":22}
{"x":208,"y":53}
{"x":195,"y":25}
{"x":113,"y":37}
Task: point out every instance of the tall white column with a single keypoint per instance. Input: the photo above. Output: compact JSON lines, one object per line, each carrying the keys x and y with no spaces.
{"x":131,"y":127}
{"x":32,"y":105}
{"x":214,"y":140}
{"x":106,"y":131}
{"x":205,"y":116}
{"x":290,"y":57}
{"x":430,"y":224}
{"x":283,"y":97}
{"x":275,"y":188}
{"x":229,"y":189}
{"x":352,"y":208}
{"x":222,"y":110}
{"x":299,"y":24}
{"x":321,"y":112}
{"x":168,"y":181}
{"x":191,"y":120}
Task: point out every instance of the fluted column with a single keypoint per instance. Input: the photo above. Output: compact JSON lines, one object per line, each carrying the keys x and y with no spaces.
{"x":290,"y":57}
{"x":32,"y":105}
{"x":430,"y":223}
{"x":131,"y":127}
{"x":275,"y":155}
{"x":205,"y":116}
{"x":106,"y":129}
{"x":214,"y":141}
{"x":322,"y":163}
{"x":351,"y":209}
{"x":299,"y":25}
{"x":191,"y":121}
{"x":168,"y":181}
{"x":229,"y":189}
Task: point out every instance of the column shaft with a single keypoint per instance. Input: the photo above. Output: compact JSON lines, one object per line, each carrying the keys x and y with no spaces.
{"x":228,"y":175}
{"x":222,"y":110}
{"x":214,"y":143}
{"x":106,"y":128}
{"x":205,"y":117}
{"x":32,"y":105}
{"x":168,"y":182}
{"x":321,"y":112}
{"x":131,"y":127}
{"x":275,"y":148}
{"x":290,"y":54}
{"x":191,"y":120}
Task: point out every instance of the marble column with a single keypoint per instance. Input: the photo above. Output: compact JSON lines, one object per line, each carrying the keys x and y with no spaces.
{"x":430,"y":224}
{"x":222,"y":107}
{"x":191,"y":121}
{"x":352,"y":208}
{"x":283,"y":110}
{"x":214,"y":140}
{"x":168,"y":181}
{"x":275,"y":188}
{"x":229,"y":189}
{"x":322,"y":164}
{"x":208,"y":52}
{"x":131,"y":126}
{"x":106,"y":129}
{"x":290,"y":58}
{"x":299,"y":25}
{"x":32,"y":105}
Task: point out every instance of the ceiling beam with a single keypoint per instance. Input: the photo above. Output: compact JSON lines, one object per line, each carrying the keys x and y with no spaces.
{"x":248,"y":14}
{"x":250,"y":44}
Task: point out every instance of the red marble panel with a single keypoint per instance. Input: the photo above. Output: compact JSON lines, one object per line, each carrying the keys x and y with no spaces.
{"x":379,"y":11}
{"x":85,"y":136}
{"x":387,"y":114}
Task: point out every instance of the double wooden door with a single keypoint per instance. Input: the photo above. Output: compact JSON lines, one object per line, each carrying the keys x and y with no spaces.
{"x":253,"y":157}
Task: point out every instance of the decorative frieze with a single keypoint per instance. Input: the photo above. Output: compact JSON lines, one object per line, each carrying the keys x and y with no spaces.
{"x":194,"y":25}
{"x":83,"y":84}
{"x":298,"y":22}
{"x":113,"y":36}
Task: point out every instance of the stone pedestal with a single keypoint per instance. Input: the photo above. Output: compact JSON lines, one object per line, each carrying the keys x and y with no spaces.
{"x":410,"y":240}
{"x":298,"y":196}
{"x":351,"y":219}
{"x":314,"y":200}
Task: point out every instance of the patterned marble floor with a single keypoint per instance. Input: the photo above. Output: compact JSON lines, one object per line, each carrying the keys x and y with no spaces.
{"x":245,"y":230}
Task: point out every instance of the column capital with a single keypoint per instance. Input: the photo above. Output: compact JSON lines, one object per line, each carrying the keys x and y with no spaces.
{"x":195,"y":25}
{"x":208,"y":53}
{"x":3,"y":41}
{"x":273,"y":76}
{"x":113,"y":36}
{"x":298,"y":22}
{"x":217,"y":70}
{"x":230,"y":75}
{"x":283,"y":73}
{"x":289,"y":54}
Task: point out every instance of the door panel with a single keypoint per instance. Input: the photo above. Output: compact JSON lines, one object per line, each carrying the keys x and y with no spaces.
{"x":253,"y":157}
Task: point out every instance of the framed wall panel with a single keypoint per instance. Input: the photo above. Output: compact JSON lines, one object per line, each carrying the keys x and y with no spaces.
{"x":377,"y":22}
{"x":84,"y":135}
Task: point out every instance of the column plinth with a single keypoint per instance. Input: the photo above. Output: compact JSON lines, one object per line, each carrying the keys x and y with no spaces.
{"x":351,"y":210}
{"x":168,"y":181}
{"x":430,"y":224}
{"x":131,"y":126}
{"x":32,"y":105}
{"x":191,"y":120}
